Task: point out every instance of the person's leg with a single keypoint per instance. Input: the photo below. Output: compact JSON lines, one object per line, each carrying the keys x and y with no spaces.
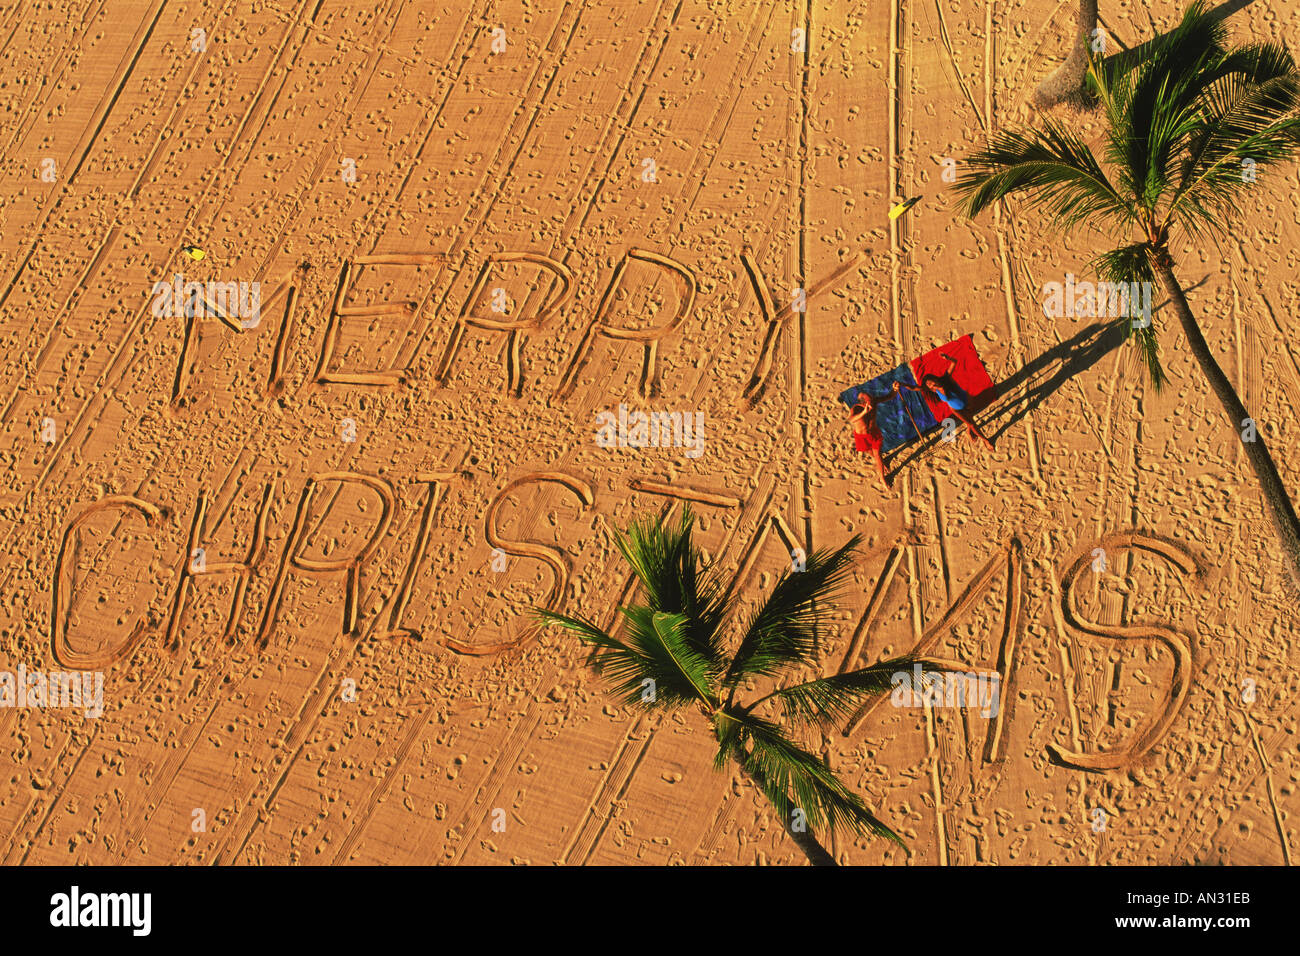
{"x":880,"y":467}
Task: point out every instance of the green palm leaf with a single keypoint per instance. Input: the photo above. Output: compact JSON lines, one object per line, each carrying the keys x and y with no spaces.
{"x":626,"y":668}
{"x":673,"y":580}
{"x":831,"y":700}
{"x":655,"y":667}
{"x":1248,"y":119}
{"x":794,"y":779}
{"x":783,"y":631}
{"x":1125,"y":266}
{"x":1056,"y":169}
{"x":1156,"y":108}
{"x":683,"y":672}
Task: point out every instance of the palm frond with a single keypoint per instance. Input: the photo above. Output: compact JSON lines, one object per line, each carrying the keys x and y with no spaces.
{"x":829,"y":701}
{"x":674,"y":580}
{"x":1130,"y":266}
{"x":793,"y":778}
{"x":1157,"y":104}
{"x":729,"y":730}
{"x":783,"y":631}
{"x":1057,"y":170}
{"x":1249,"y":123}
{"x":683,"y":673}
{"x":627,"y":668}
{"x":1148,"y":351}
{"x":655,"y":667}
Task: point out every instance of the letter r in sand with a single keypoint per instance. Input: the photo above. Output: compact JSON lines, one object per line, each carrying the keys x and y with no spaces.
{"x":294,"y":556}
{"x":649,"y":337}
{"x":515,"y":328}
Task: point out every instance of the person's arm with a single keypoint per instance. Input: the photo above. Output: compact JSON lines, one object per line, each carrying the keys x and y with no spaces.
{"x":900,"y":385}
{"x":952,"y":363}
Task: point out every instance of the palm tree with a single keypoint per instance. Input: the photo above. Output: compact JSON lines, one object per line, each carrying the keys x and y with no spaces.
{"x":674,"y":654}
{"x":1186,"y":130}
{"x":1068,"y":85}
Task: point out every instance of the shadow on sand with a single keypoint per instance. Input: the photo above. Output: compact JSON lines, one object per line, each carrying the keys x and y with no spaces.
{"x":1029,"y":387}
{"x":1132,"y":57}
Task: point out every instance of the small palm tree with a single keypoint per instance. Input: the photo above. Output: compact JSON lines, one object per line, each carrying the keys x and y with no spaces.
{"x":674,"y":654}
{"x":1186,"y":129}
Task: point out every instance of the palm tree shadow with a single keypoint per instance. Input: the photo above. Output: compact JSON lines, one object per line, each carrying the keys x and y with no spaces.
{"x":1130,"y":58}
{"x":1228,"y":8}
{"x":1031,"y":385}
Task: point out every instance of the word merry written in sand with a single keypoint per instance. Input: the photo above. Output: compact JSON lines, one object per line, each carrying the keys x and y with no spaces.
{"x":496,"y":318}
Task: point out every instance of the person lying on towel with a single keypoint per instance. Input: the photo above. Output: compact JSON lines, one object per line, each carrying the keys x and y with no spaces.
{"x":866,"y":432}
{"x":942,"y":388}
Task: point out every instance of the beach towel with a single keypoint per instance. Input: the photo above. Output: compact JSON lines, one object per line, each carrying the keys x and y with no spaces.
{"x":907,"y":416}
{"x":897,"y":414}
{"x":970,"y":375}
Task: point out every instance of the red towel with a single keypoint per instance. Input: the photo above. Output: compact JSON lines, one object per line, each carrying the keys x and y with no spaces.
{"x":970,"y":375}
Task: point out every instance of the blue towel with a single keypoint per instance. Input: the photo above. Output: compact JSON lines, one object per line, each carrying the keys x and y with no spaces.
{"x":896,"y":427}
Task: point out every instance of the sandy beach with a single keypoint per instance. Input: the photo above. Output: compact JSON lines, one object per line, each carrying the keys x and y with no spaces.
{"x":446,"y":255}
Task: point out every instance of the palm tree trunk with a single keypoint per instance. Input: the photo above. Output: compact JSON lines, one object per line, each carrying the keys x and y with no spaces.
{"x":816,"y":853}
{"x":1276,"y":496}
{"x":1066,"y":84}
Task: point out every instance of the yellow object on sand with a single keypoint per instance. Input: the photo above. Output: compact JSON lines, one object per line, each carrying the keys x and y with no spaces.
{"x":194,"y":252}
{"x":903,"y":207}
